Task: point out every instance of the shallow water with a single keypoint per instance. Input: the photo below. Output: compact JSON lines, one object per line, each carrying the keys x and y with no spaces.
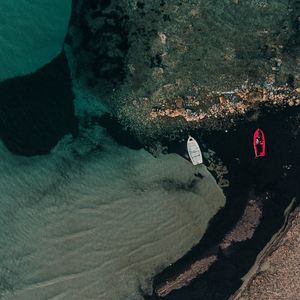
{"x":89,"y":222}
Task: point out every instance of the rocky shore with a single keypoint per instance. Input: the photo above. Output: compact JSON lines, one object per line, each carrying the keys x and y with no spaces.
{"x":231,"y":104}
{"x":165,"y":67}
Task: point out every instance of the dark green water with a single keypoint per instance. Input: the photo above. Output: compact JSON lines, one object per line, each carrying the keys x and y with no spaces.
{"x":37,"y":110}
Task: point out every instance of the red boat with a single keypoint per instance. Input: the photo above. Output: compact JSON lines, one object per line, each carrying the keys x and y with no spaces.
{"x":259,"y":143}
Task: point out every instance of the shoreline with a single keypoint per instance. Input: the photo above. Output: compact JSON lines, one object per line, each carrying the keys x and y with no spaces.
{"x":273,"y":275}
{"x":290,"y":215}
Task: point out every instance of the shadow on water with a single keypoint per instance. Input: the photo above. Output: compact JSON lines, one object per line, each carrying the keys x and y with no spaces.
{"x":117,"y":131}
{"x":274,"y":180}
{"x":37,"y":110}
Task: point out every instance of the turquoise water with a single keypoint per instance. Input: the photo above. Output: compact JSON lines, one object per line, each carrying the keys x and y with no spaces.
{"x":31,"y":34}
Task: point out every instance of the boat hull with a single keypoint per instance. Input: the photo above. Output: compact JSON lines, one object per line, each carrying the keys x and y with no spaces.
{"x":194,"y":151}
{"x":259,"y":143}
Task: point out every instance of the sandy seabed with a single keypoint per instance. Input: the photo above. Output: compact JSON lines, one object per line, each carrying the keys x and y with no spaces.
{"x":81,"y":224}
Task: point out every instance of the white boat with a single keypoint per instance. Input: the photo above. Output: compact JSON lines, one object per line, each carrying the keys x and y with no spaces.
{"x":194,"y":151}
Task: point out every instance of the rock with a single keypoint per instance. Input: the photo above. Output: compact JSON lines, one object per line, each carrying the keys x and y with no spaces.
{"x":231,"y":110}
{"x":179,"y":103}
{"x":162,"y":37}
{"x":222,"y":99}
